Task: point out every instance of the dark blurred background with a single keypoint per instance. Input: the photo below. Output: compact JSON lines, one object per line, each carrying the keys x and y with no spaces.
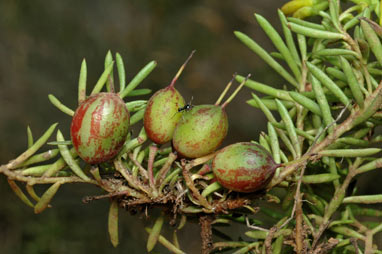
{"x":42,"y":44}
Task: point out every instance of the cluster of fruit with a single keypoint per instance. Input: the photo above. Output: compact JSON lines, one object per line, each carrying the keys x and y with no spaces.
{"x":100,"y":126}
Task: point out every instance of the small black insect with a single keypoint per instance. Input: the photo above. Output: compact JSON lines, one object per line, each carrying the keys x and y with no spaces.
{"x":185,"y":108}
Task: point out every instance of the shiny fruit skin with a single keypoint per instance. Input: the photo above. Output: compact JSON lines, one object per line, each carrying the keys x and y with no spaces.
{"x":99,"y":127}
{"x":200,"y":131}
{"x":161,"y":115}
{"x":243,"y":167}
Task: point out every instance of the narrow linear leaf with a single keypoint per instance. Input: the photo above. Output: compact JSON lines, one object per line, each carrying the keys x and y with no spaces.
{"x":353,"y":82}
{"x":46,"y":198}
{"x":32,"y":193}
{"x":121,"y":71}
{"x":302,"y":45}
{"x":109,"y":81}
{"x":142,"y":74}
{"x":334,"y":13}
{"x":166,"y":243}
{"x":139,"y":92}
{"x":35,"y":171}
{"x":102,"y":80}
{"x":314,"y":33}
{"x":257,"y":234}
{"x":31,"y":150}
{"x":247,"y":248}
{"x":373,"y":40}
{"x":175,"y":239}
{"x":252,"y":45}
{"x":270,"y":103}
{"x":319,"y":178}
{"x":82,"y":82}
{"x":113,"y":223}
{"x":137,"y":116}
{"x":59,"y":164}
{"x":289,"y":38}
{"x":365,"y":199}
{"x":298,"y":131}
{"x":263,"y":141}
{"x":278,"y":245}
{"x":265,"y":89}
{"x":305,"y":23}
{"x":372,"y":104}
{"x":279,"y":44}
{"x":306,"y":102}
{"x":322,"y":102}
{"x":271,"y":118}
{"x":211,"y":188}
{"x":347,"y":232}
{"x":370,"y":166}
{"x":155,"y":233}
{"x":65,"y":142}
{"x":336,"y":73}
{"x":40,"y":157}
{"x":290,"y":127}
{"x":274,"y":141}
{"x":132,"y":106}
{"x":60,"y":106}
{"x":65,"y":153}
{"x":19,"y":193}
{"x":29,"y":137}
{"x":352,"y":22}
{"x":326,"y":81}
{"x":335,"y":52}
{"x":350,"y":152}
{"x":133,"y":143}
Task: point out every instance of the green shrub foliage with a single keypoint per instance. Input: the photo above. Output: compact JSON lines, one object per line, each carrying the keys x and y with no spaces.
{"x":328,"y":109}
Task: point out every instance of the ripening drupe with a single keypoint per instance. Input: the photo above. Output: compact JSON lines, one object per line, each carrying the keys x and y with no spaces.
{"x":161,"y":115}
{"x":243,"y":167}
{"x":200,"y":131}
{"x":99,"y":127}
{"x":203,"y":128}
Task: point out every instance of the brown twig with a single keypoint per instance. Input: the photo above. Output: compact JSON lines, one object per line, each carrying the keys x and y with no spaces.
{"x":41,"y":180}
{"x":355,"y":118}
{"x":206,"y":233}
{"x":268,"y":240}
{"x":152,"y":152}
{"x":190,"y":184}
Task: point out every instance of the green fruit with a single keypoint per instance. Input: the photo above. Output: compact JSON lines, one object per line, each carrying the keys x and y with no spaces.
{"x":162,"y":111}
{"x":243,"y":167}
{"x":200,"y":131}
{"x":161,"y":115}
{"x":99,"y":127}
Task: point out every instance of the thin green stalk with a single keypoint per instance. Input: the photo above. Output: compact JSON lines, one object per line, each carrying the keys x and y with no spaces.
{"x":314,"y":33}
{"x":82,"y":82}
{"x":31,"y":150}
{"x":121,"y":71}
{"x":46,"y":197}
{"x":142,"y":74}
{"x":252,"y":45}
{"x":274,"y":141}
{"x":102,"y":80}
{"x":279,"y":44}
{"x":290,"y":127}
{"x":66,"y":155}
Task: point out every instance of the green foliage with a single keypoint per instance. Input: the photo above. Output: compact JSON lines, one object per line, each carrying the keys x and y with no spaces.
{"x":324,"y":139}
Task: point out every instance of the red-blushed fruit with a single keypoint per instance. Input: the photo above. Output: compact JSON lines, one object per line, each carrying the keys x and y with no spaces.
{"x":200,"y":131}
{"x":161,"y":115}
{"x":99,"y":127}
{"x":243,"y":167}
{"x":162,"y":111}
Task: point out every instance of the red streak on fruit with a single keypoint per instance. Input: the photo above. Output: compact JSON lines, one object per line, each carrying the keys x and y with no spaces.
{"x":79,"y":117}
